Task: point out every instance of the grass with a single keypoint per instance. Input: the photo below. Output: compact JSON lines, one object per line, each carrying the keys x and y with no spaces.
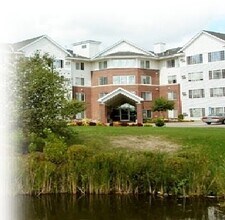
{"x":93,"y":165}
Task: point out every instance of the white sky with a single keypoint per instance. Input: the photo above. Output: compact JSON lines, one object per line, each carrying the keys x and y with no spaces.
{"x":141,"y":22}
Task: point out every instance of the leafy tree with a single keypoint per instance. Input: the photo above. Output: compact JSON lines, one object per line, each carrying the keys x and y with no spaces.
{"x":41,"y":101}
{"x":161,"y":105}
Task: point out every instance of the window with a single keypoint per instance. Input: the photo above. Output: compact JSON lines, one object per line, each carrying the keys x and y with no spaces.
{"x":172,"y":95}
{"x":84,"y":46}
{"x":196,"y":93}
{"x":103,"y":80}
{"x":217,"y":110}
{"x":172,"y":79}
{"x":80,"y":115}
{"x":197,"y":112}
{"x":170,"y":63}
{"x":146,"y":80}
{"x":196,"y":76}
{"x":145,"y":64}
{"x":146,"y":114}
{"x":142,"y":64}
{"x":125,"y":80}
{"x":147,"y":96}
{"x":217,"y":74}
{"x":79,"y":81}
{"x":123,"y":63}
{"x":58,"y":63}
{"x":67,"y":64}
{"x":79,"y":66}
{"x":102,"y":94}
{"x":195,"y":59}
{"x":216,"y":56}
{"x":217,"y":92}
{"x":102,"y":65}
{"x":80,"y":96}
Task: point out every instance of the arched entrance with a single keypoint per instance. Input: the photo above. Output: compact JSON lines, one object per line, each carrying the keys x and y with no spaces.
{"x":120,"y":105}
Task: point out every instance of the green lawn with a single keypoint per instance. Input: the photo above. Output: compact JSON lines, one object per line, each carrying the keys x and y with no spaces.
{"x":93,"y":165}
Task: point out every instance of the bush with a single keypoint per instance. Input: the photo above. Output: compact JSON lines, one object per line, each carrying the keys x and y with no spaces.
{"x":159,"y":122}
{"x":180,"y":117}
{"x":55,"y":149}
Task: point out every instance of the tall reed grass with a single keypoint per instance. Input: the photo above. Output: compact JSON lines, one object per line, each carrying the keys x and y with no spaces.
{"x":97,"y":168}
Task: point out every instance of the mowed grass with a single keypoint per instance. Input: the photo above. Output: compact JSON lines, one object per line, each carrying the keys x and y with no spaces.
{"x":93,"y":165}
{"x":210,"y":141}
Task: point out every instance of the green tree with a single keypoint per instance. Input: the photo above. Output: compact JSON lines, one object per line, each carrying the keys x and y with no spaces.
{"x":162,"y":104}
{"x":41,"y":101}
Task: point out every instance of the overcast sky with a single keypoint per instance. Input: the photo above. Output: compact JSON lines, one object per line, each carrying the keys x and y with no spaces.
{"x":141,"y":22}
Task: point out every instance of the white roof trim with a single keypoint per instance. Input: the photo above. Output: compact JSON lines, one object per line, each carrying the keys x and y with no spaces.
{"x":119,"y":42}
{"x":47,"y":37}
{"x":123,"y":92}
{"x":196,"y":36}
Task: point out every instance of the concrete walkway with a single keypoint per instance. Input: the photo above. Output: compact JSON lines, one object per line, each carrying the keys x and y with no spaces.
{"x":193,"y":124}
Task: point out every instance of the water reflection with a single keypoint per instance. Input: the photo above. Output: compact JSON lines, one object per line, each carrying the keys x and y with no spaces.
{"x":114,"y":207}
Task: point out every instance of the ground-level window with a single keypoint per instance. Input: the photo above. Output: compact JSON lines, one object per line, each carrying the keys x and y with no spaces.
{"x":197,"y":112}
{"x":216,"y":110}
{"x":146,"y":114}
{"x":80,"y":115}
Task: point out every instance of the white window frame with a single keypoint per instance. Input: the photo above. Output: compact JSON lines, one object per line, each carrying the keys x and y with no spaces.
{"x":146,"y":79}
{"x":195,"y":76}
{"x":147,"y":96}
{"x":124,"y":80}
{"x":196,"y":93}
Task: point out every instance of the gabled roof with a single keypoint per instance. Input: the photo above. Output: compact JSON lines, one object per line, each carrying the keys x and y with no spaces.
{"x":120,"y":96}
{"x":170,"y":52}
{"x":19,"y":46}
{"x":145,"y":52}
{"x":86,"y":42}
{"x":217,"y":35}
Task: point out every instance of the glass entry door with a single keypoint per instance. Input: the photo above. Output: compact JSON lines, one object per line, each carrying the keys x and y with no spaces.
{"x":124,"y":114}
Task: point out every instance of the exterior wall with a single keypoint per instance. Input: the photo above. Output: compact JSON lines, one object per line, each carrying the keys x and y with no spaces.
{"x":202,"y":45}
{"x":45,"y":46}
{"x":86,"y":73}
{"x":124,"y":46}
{"x":88,"y":97}
{"x":159,"y":72}
{"x":89,"y":51}
{"x":137,"y":87}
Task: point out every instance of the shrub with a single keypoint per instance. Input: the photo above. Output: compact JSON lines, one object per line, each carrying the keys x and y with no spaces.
{"x":159,"y":122}
{"x":55,"y":149}
{"x":180,"y":117}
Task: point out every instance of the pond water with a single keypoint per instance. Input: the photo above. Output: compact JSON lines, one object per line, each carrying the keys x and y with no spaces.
{"x":115,"y":207}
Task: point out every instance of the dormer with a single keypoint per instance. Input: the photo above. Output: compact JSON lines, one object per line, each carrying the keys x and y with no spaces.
{"x":87,"y":48}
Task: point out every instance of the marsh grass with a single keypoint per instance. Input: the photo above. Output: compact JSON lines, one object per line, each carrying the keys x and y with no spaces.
{"x":94,"y":166}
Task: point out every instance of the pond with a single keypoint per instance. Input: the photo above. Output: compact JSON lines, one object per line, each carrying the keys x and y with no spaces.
{"x":115,"y":207}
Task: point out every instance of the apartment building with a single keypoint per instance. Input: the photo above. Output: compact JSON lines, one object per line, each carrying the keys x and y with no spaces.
{"x":121,"y":82}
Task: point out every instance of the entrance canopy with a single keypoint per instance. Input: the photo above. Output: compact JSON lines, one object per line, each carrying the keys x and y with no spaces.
{"x":120,"y":96}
